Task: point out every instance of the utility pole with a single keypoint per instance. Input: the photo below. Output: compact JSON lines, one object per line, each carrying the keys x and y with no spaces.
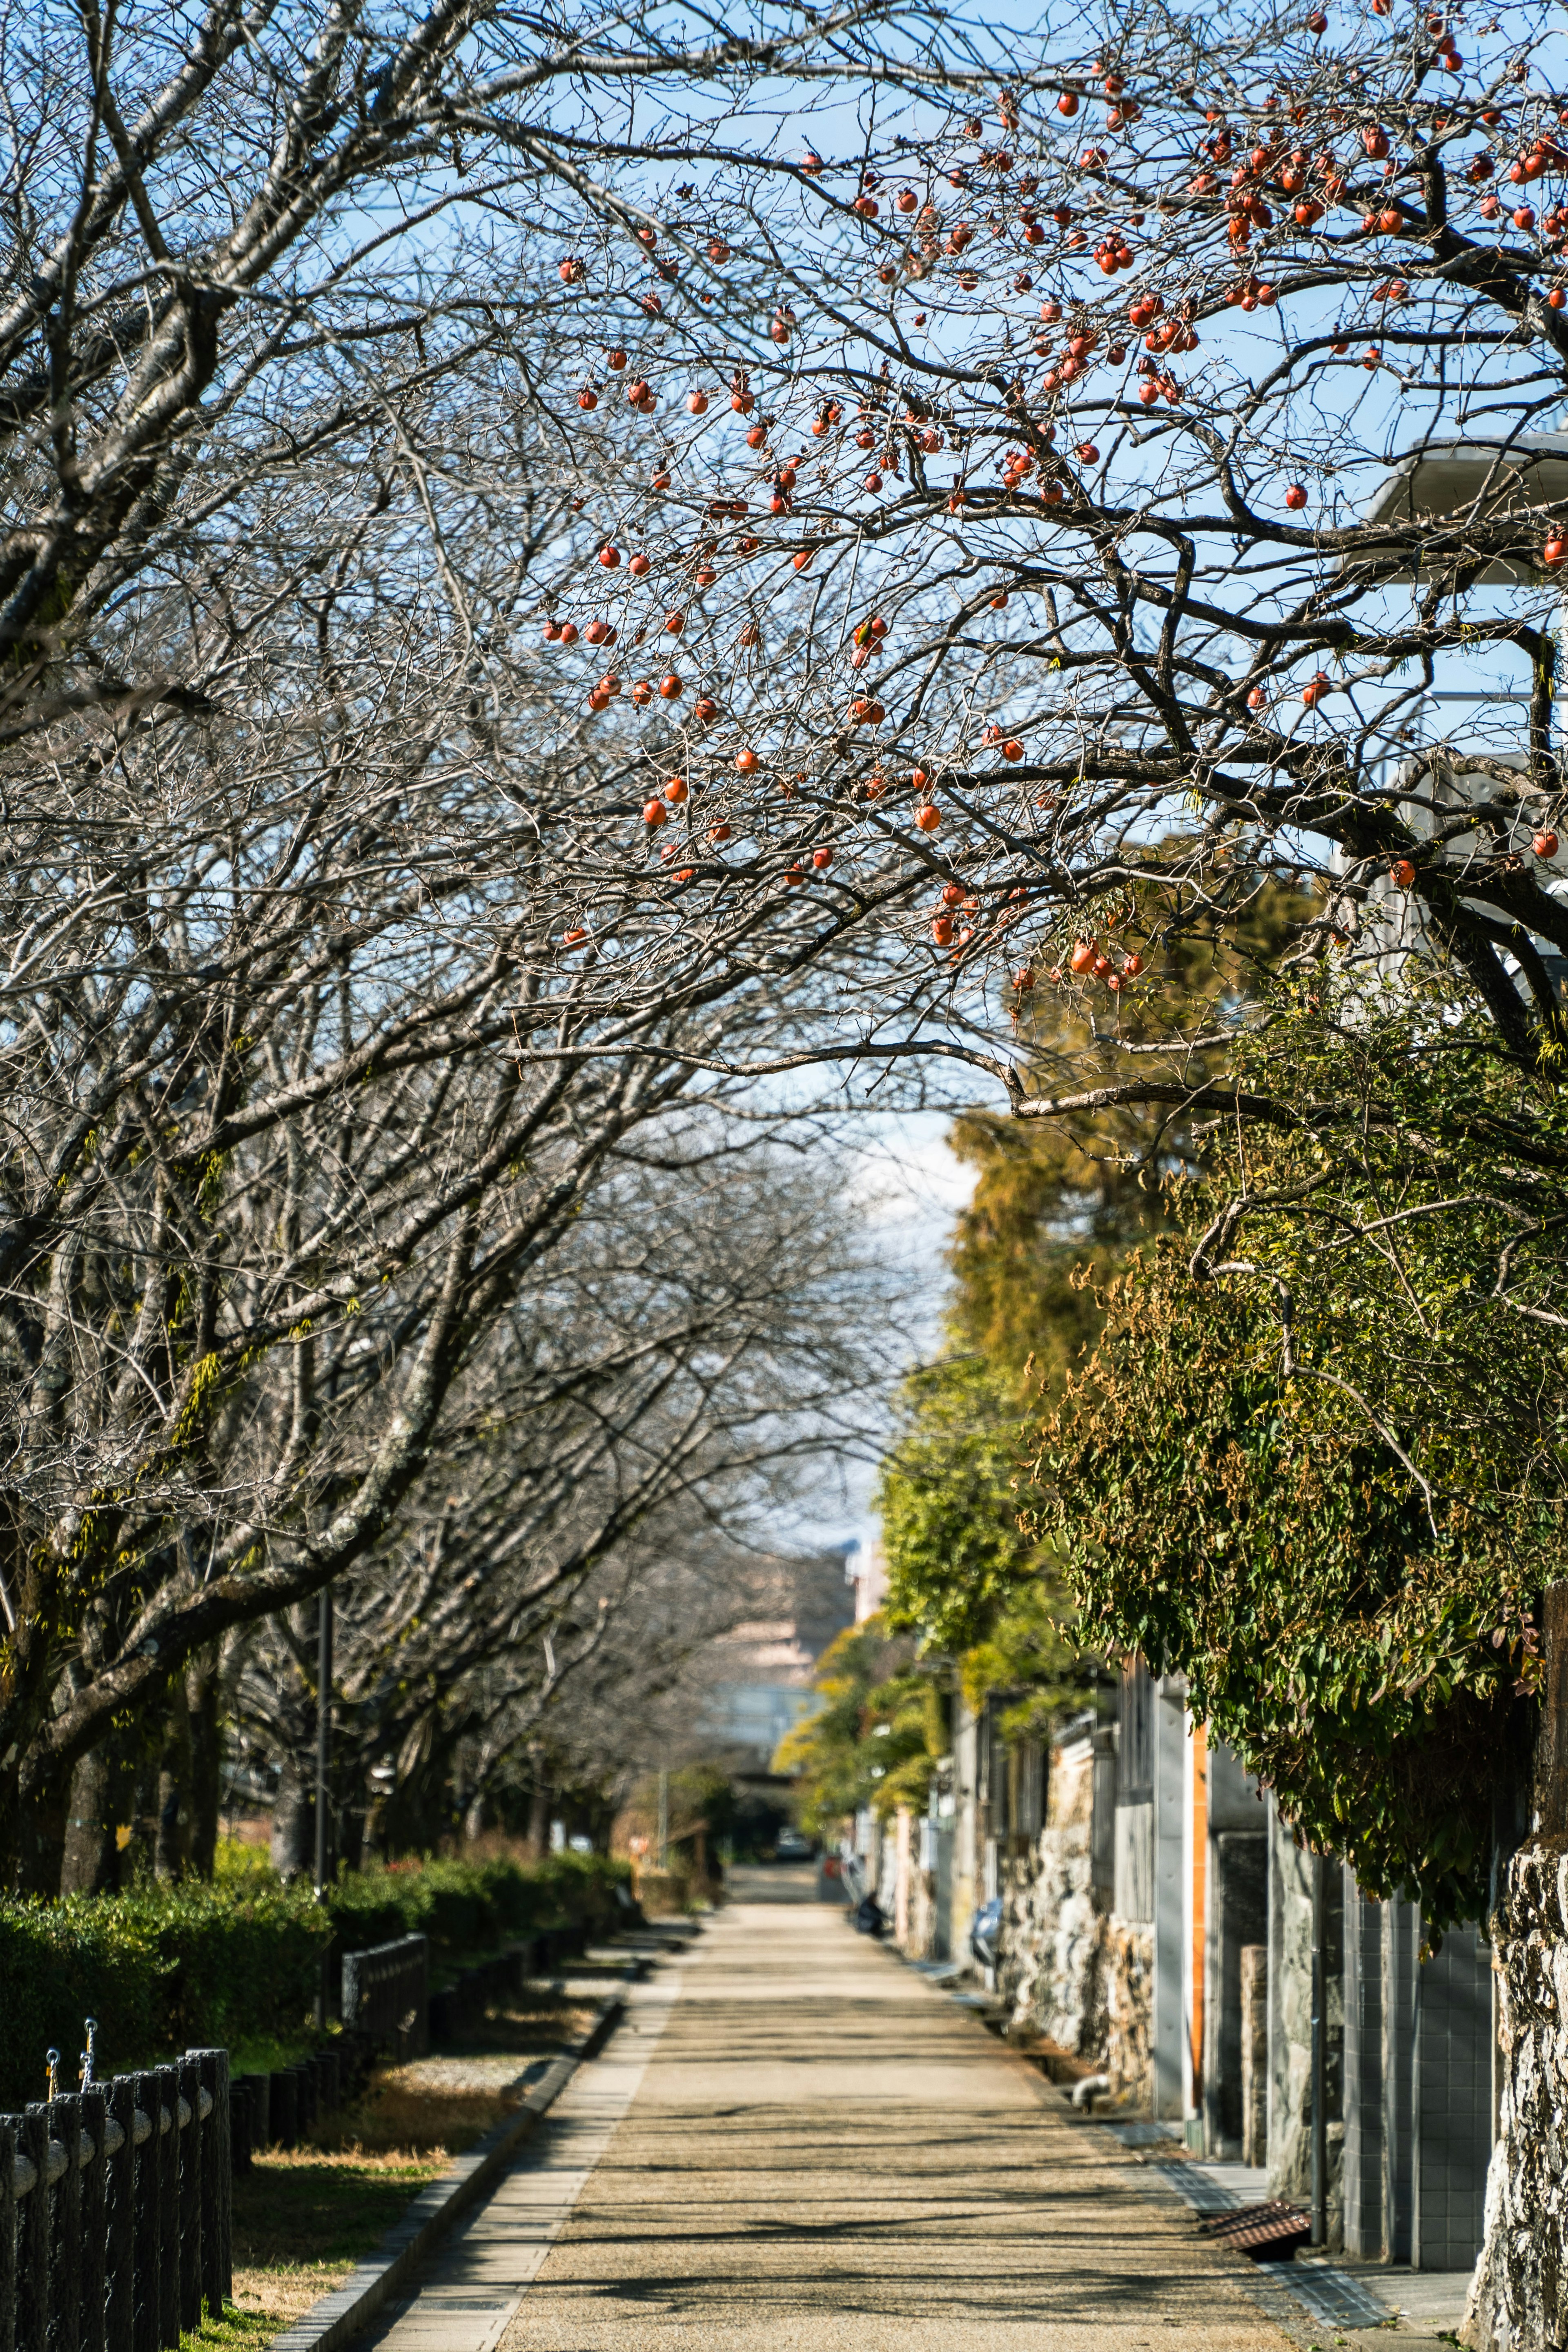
{"x":664,"y":1816}
{"x":323,"y":1778}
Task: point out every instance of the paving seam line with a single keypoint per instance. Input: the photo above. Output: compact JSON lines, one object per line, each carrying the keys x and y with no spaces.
{"x":339,"y":2316}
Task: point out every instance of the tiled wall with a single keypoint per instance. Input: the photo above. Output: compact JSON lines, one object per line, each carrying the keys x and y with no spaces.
{"x":1453,"y":2103}
{"x":1418,"y":2114}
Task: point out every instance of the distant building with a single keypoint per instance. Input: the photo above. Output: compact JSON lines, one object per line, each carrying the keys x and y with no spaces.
{"x":764,"y":1666}
{"x":866,"y":1570}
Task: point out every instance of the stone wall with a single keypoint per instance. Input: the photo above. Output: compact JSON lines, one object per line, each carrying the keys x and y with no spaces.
{"x":1128,"y":1978}
{"x":1519,"y":2302}
{"x":1054,"y":1936}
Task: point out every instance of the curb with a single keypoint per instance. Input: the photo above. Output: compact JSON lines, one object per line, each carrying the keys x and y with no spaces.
{"x":339,"y":2316}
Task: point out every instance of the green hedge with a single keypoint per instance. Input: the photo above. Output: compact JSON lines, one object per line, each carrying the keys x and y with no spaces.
{"x":163,"y":1969}
{"x":466,"y":1907}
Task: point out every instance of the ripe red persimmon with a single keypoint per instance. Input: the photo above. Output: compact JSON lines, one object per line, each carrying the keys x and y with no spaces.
{"x":675,"y":792}
{"x":1295,"y":497}
{"x":928,"y":817}
{"x":1402,"y":874}
{"x":822,"y":858}
{"x":941,"y":929}
{"x":747,"y":762}
{"x":1012,"y":749}
{"x":671,"y":687}
{"x":1556,"y":548}
{"x":654,"y":814}
{"x":1545,"y":845}
{"x":1083,"y":955}
{"x":719,"y":833}
{"x":610,"y":558}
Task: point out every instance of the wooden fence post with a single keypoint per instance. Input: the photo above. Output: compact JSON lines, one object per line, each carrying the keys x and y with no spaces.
{"x":189,"y":2082}
{"x":7,"y":2234}
{"x":64,"y":2126}
{"x":216,"y":2283}
{"x":167,"y":2120}
{"x":121,"y":2231}
{"x":119,"y":2298}
{"x":33,"y":2299}
{"x":149,"y":2212}
{"x":94,"y":2218}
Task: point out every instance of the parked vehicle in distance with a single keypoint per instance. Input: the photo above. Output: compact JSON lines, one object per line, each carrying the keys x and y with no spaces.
{"x":794,"y":1846}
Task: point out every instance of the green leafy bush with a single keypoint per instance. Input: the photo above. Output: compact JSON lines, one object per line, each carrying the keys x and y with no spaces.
{"x":163,"y":1969}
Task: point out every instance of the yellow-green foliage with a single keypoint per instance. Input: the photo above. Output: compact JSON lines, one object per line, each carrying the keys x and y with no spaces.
{"x":876,"y":1736}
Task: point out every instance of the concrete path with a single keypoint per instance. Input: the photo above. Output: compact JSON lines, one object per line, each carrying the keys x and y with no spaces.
{"x":796,"y":2145}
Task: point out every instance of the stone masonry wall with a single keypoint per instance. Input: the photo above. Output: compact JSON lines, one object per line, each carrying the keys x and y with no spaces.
{"x":1052,"y":1975}
{"x":1128,"y":1978}
{"x":1519,"y":2302}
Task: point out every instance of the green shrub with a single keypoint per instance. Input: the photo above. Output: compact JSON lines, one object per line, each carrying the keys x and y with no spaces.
{"x":164,"y":1969}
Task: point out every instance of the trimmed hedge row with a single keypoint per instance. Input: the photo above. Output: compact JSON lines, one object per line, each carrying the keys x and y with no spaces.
{"x":164,"y":1969}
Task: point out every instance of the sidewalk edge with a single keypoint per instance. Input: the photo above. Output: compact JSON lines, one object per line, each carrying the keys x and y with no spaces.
{"x":339,"y":2316}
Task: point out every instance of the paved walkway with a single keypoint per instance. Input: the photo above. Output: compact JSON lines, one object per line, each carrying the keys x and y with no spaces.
{"x":794,"y":2145}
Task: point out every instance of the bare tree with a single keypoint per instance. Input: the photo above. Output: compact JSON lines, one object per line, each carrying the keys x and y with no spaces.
{"x":638,"y":1422}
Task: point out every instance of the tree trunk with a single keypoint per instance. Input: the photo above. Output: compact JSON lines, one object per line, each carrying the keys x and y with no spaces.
{"x":1519,"y":2301}
{"x":293,"y":1823}
{"x":41,"y":1840}
{"x":539,"y":1822}
{"x":202,"y":1695}
{"x":172,"y":1851}
{"x":91,"y":1863}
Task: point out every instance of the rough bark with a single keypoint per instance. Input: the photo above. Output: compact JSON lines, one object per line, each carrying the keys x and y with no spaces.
{"x":294,"y":1824}
{"x":92,"y":1853}
{"x":172,"y":1851}
{"x":201,"y":1696}
{"x":1519,"y":2302}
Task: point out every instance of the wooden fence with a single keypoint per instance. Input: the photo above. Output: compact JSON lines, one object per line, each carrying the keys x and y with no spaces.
{"x":386,"y":1994}
{"x":115,"y":2221}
